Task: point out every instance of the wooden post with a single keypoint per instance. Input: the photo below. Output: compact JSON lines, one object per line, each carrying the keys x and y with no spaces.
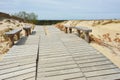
{"x":11,"y":39}
{"x":18,"y":35}
{"x":66,"y":30}
{"x":11,"y":35}
{"x":86,"y":34}
{"x":26,"y":32}
{"x":70,"y":30}
{"x":78,"y":32}
{"x":85,"y":31}
{"x":29,"y":30}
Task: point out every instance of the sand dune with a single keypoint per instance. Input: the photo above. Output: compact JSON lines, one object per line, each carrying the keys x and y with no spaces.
{"x":103,"y":31}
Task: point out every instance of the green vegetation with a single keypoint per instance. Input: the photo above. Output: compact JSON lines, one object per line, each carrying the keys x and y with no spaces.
{"x":30,"y":17}
{"x":48,"y":22}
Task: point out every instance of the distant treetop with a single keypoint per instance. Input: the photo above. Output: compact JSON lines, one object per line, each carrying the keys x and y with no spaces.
{"x":30,"y":17}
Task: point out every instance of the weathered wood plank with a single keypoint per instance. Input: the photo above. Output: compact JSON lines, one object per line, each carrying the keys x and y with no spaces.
{"x":20,"y":62}
{"x":90,"y":63}
{"x":62,"y":57}
{"x":11,"y":35}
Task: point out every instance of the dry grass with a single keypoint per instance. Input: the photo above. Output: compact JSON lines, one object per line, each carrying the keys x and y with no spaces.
{"x":106,"y":41}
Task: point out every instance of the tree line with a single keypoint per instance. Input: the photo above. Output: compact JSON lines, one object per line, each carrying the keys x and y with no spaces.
{"x":29,"y":17}
{"x":32,"y":18}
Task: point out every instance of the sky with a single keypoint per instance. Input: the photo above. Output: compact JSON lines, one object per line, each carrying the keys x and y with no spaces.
{"x":64,"y":9}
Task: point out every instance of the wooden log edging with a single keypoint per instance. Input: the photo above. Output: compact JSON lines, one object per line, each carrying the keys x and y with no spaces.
{"x":68,"y":29}
{"x":27,"y":30}
{"x":11,"y":35}
{"x":85,"y":31}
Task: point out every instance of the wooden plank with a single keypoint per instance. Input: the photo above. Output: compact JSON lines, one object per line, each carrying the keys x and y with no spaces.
{"x":102,"y":72}
{"x":72,"y":56}
{"x":99,"y":67}
{"x":27,"y":30}
{"x":69,"y":61}
{"x":20,"y":62}
{"x":26,"y":76}
{"x":13,"y":31}
{"x":60,"y":72}
{"x":61,"y":77}
{"x":16,"y":64}
{"x":11,"y":35}
{"x":16,"y":73}
{"x":16,"y":68}
{"x":83,"y":28}
{"x":106,"y":77}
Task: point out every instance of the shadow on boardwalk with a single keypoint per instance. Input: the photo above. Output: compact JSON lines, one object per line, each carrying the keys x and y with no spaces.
{"x":22,"y":41}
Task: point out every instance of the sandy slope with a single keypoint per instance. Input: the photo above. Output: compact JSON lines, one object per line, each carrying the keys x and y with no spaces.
{"x":108,"y":32}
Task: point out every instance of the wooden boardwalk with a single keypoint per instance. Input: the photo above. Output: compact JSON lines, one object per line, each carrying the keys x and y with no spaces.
{"x":20,"y":62}
{"x":61,"y":57}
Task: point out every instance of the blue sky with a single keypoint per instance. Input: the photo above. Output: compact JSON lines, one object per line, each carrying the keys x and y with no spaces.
{"x":65,"y":9}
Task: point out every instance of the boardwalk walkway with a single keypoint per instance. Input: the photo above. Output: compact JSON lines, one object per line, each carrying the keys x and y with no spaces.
{"x":20,"y":62}
{"x":61,"y":57}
